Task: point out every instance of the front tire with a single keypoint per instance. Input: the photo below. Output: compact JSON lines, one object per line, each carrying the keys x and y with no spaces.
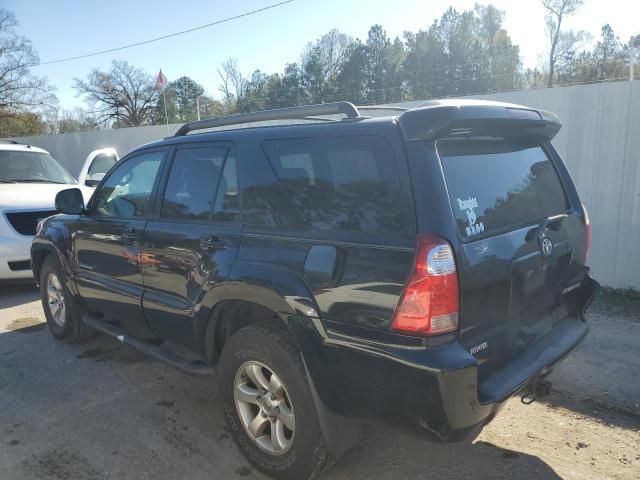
{"x":269,"y":407}
{"x":61,"y":309}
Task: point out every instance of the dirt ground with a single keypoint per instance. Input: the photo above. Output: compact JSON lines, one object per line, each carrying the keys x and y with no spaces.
{"x":101,"y":410}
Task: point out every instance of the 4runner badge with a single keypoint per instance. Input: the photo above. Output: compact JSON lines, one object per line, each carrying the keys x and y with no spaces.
{"x":468,"y":206}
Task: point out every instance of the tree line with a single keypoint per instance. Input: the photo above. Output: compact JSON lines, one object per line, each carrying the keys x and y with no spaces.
{"x":460,"y":53}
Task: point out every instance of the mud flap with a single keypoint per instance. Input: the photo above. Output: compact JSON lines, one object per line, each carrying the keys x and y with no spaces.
{"x":340,"y":433}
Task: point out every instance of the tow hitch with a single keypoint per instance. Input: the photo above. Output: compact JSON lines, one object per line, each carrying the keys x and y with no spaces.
{"x":538,"y":388}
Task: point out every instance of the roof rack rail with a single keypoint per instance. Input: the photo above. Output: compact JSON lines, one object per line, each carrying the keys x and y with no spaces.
{"x":10,"y":141}
{"x":337,"y":108}
{"x":382,"y":107}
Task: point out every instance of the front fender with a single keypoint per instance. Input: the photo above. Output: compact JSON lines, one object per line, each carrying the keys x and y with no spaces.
{"x":54,"y":239}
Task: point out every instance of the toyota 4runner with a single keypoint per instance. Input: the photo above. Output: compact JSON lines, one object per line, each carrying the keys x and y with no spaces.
{"x":418,"y":269}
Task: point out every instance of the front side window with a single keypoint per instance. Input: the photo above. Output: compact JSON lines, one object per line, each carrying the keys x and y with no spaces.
{"x":127,"y":191}
{"x":333,"y":183}
{"x":495,"y":184}
{"x":31,"y":167}
{"x":192,"y":184}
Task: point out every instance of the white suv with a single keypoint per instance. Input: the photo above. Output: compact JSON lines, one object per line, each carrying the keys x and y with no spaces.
{"x":30,"y":178}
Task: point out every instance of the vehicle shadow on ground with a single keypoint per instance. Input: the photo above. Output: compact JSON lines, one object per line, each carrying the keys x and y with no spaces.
{"x":13,"y":295}
{"x":595,"y":409}
{"x":385,"y":454}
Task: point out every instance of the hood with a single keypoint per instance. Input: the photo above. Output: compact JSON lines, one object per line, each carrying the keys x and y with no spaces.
{"x":39,"y":196}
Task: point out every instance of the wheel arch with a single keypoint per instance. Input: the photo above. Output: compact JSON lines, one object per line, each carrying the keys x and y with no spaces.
{"x":43,"y":248}
{"x":256,"y":292}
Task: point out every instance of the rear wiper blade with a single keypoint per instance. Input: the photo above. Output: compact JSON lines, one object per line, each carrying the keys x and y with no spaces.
{"x":553,"y":222}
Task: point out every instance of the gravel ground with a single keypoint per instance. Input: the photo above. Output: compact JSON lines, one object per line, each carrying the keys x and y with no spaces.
{"x":101,"y":410}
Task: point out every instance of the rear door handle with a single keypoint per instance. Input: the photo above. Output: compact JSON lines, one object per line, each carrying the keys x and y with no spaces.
{"x":212,"y":242}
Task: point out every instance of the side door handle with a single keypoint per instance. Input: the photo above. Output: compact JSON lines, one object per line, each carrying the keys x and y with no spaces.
{"x":129,"y":235}
{"x":211,"y":242}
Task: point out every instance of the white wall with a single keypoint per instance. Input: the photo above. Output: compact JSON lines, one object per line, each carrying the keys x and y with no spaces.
{"x":71,"y":149}
{"x":599,"y":141}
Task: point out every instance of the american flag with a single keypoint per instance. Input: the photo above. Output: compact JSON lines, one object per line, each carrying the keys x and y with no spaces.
{"x":161,"y":81}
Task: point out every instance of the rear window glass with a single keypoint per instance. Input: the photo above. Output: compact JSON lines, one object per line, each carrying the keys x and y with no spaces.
{"x":334,"y":183}
{"x":497,"y":184}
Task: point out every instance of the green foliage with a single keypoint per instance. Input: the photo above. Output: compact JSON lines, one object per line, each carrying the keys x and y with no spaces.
{"x":459,"y":54}
{"x":20,"y":124}
{"x":182,"y":100}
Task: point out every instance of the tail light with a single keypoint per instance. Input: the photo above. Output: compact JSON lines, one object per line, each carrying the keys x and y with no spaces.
{"x":429,"y":303}
{"x":587,"y":224}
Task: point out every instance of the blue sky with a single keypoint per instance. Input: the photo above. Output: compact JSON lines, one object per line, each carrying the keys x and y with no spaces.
{"x":266,"y":40}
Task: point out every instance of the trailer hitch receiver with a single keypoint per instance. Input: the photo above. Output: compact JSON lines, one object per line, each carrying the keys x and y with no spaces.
{"x":539,"y":387}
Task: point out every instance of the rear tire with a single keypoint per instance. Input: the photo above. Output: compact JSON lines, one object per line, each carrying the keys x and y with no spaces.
{"x":265,"y":390}
{"x":61,"y":309}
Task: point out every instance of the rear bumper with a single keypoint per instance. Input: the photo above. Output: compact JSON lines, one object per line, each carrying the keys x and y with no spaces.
{"x":536,"y":360}
{"x":431,"y":391}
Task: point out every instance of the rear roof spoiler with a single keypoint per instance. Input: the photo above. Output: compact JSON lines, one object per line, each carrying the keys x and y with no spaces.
{"x":476,"y":118}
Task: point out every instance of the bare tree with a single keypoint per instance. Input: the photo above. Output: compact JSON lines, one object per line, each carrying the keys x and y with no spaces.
{"x":75,"y":120}
{"x":124,"y":94}
{"x":233,"y":82}
{"x":22,"y":95}
{"x":562,"y":45}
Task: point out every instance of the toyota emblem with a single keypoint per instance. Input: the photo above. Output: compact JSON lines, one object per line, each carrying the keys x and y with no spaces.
{"x":547,"y":247}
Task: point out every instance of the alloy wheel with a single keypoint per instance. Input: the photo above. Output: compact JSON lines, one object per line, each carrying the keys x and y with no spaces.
{"x":264,"y":408}
{"x":55,"y":299}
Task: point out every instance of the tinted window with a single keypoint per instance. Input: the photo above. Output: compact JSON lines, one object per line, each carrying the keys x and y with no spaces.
{"x":127,"y":191}
{"x":102,"y":163}
{"x":495,"y":184}
{"x":191,"y":188}
{"x":338,"y":183}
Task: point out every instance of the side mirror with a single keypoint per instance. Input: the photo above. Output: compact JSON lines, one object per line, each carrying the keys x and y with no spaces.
{"x":70,"y":201}
{"x":94,"y":180}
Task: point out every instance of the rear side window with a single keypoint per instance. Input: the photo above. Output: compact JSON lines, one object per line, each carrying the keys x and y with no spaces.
{"x":497,"y":184}
{"x":334,"y":183}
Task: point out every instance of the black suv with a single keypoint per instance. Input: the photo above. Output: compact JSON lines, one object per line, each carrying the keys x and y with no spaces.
{"x":419,"y":268}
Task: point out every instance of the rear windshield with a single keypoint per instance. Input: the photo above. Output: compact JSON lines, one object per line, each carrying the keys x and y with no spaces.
{"x":497,"y":184}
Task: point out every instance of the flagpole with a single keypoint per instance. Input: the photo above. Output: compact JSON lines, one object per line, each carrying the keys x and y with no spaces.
{"x":166,"y":117}
{"x":161,"y":86}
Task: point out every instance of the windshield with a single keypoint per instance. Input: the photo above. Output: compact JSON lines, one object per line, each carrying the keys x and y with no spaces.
{"x":24,"y":167}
